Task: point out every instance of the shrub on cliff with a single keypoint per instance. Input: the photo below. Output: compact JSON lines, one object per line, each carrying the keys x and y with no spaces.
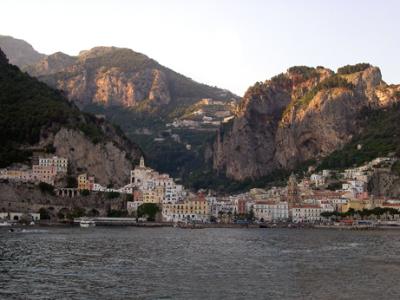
{"x":349,"y":69}
{"x":112,"y":195}
{"x":85,"y":193}
{"x":46,"y":188}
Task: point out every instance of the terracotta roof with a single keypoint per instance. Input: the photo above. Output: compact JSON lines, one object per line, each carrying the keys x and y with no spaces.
{"x":265,"y":202}
{"x":305,"y":206}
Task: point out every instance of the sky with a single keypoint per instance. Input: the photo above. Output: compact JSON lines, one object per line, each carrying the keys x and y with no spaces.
{"x":226,"y":43}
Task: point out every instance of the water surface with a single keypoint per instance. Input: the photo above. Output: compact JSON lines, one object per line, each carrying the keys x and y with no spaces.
{"x":172,"y":263}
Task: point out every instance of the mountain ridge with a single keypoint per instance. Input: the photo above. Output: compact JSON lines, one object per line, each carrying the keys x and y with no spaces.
{"x":19,"y":52}
{"x":304,"y":114}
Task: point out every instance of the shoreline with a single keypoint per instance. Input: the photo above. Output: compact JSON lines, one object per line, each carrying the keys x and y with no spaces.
{"x":214,"y":226}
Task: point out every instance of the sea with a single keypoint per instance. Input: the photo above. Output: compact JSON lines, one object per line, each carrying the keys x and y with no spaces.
{"x":213,"y":263}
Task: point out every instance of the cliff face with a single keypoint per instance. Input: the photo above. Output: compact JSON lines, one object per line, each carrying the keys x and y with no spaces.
{"x":112,"y":76}
{"x":384,"y":183}
{"x":28,"y":198}
{"x":110,"y":160}
{"x":301,"y":115}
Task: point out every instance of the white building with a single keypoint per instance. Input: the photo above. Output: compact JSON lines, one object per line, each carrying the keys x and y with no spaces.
{"x":150,"y":182}
{"x":98,"y":188}
{"x":354,"y":186}
{"x":271,"y":211}
{"x":305,"y":213}
{"x":60,"y":163}
{"x":132,"y":206}
{"x":317,"y":179}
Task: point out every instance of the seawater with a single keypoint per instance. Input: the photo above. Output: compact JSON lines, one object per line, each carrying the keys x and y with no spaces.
{"x":173,"y":263}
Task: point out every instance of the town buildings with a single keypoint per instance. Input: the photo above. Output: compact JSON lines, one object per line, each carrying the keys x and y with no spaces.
{"x":268,"y":211}
{"x":60,"y":163}
{"x":46,"y":170}
{"x":305,"y":213}
{"x":190,"y":210}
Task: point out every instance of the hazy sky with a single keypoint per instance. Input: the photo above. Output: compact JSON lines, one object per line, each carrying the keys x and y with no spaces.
{"x":231,"y":44}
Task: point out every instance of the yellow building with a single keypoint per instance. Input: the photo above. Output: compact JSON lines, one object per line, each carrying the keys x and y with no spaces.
{"x":356,"y":205}
{"x":155,"y":195}
{"x":188,"y":210}
{"x":85,"y":182}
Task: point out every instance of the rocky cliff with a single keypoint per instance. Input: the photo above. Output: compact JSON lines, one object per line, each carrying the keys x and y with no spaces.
{"x":384,"y":183}
{"x":301,"y":115}
{"x":109,"y":160}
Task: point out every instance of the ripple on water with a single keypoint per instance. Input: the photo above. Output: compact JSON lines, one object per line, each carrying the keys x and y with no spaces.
{"x":168,"y":263}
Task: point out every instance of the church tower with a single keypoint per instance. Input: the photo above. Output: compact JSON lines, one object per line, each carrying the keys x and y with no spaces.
{"x":293,"y":195}
{"x":141,"y":164}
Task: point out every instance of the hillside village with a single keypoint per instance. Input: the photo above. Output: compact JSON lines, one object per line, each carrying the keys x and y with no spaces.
{"x":317,"y":198}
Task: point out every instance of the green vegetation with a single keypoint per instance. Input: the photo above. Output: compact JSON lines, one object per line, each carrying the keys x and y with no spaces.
{"x":380,"y":137}
{"x":112,"y":195}
{"x":113,"y":213}
{"x":396,"y":168}
{"x":85,"y":193}
{"x":44,"y":214}
{"x":281,"y":79}
{"x":377,"y":211}
{"x":46,"y":188}
{"x":148,"y":210}
{"x":72,"y":182}
{"x":306,"y":72}
{"x":350,"y":69}
{"x":207,"y":179}
{"x":77,"y":212}
{"x":334,"y":186}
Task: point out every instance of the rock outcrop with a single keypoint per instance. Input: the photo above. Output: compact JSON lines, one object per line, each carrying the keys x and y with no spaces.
{"x":301,"y":115}
{"x":110,"y":161}
{"x":384,"y":183}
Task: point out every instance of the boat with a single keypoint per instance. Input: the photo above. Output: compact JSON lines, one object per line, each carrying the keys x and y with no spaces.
{"x":87,"y":223}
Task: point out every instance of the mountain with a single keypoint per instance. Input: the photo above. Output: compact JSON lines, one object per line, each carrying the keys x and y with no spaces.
{"x":143,"y":98}
{"x":111,"y":76}
{"x":300,"y":116}
{"x":19,"y":52}
{"x":36,"y":118}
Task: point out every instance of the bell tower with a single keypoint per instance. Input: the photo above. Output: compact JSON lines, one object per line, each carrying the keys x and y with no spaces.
{"x":141,"y":164}
{"x":293,"y":195}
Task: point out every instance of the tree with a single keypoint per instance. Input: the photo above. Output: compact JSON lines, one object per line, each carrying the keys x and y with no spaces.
{"x":112,"y":195}
{"x":44,"y":214}
{"x":85,"y":192}
{"x":77,"y":212}
{"x":46,"y":188}
{"x":148,"y":210}
{"x":72,"y":182}
{"x":114,"y":213}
